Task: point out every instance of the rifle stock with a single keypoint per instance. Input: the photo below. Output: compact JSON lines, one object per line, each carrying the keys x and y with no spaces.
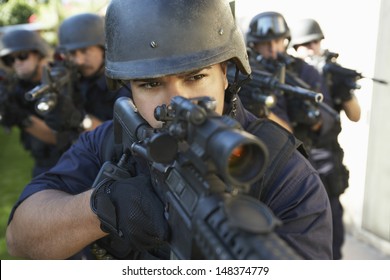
{"x":201,"y":166}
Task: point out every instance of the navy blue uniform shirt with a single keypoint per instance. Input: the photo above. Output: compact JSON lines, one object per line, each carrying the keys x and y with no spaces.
{"x":297,"y":196}
{"x":98,"y":99}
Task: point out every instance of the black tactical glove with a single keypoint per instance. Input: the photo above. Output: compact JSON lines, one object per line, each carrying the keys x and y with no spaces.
{"x":130,"y":209}
{"x":342,"y":89}
{"x":303,"y":112}
{"x":341,"y":94}
{"x":65,"y":115}
{"x":15,"y":115}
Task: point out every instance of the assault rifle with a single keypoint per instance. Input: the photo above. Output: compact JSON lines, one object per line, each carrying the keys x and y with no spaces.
{"x":268,"y":81}
{"x":56,"y":77}
{"x":260,"y":92}
{"x":305,"y":109}
{"x":348,"y":76}
{"x":202,"y":165}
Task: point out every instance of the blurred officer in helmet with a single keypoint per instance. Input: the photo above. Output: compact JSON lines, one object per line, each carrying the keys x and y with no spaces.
{"x":306,"y":41}
{"x":178,"y":50}
{"x":327,"y":155}
{"x":26,"y":53}
{"x":267,"y":39}
{"x":81,"y":44}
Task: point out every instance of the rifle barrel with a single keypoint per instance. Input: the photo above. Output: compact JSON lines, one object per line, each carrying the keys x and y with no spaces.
{"x":36,"y":92}
{"x":42,"y":89}
{"x":264,"y":79}
{"x":314,"y":96}
{"x":383,"y":82}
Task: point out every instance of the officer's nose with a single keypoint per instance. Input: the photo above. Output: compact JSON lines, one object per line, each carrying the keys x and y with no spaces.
{"x":175,"y":87}
{"x":273,"y":50}
{"x":78,"y":57}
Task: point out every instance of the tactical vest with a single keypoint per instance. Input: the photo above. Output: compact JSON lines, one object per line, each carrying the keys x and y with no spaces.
{"x":281,"y":144}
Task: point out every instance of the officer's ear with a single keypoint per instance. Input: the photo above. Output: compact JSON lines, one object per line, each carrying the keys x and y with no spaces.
{"x":224,"y":67}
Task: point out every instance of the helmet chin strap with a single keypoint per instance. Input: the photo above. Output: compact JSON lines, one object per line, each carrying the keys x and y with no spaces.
{"x":231,"y":94}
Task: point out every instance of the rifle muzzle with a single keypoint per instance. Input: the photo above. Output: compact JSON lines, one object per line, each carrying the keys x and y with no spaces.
{"x":36,"y":92}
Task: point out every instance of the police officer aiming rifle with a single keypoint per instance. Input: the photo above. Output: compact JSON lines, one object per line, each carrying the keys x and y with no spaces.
{"x":161,"y":59}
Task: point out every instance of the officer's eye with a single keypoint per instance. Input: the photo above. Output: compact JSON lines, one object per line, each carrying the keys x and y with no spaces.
{"x":150,"y":85}
{"x":74,"y":53}
{"x":84,"y":50}
{"x":196,"y":77}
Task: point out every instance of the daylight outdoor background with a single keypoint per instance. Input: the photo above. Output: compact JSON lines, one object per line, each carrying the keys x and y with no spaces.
{"x":356,"y":29}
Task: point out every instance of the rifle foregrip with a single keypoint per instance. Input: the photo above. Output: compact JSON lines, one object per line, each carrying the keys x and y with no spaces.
{"x":240,"y":245}
{"x":220,"y":235}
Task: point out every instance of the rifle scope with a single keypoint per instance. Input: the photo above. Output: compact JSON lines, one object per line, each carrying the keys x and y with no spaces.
{"x":207,"y":141}
{"x":239,"y":157}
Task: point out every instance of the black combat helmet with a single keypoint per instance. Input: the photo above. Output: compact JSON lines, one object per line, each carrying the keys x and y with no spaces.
{"x":23,"y":40}
{"x":267,"y":26}
{"x":153,"y":38}
{"x":305,"y":31}
{"x":81,"y":31}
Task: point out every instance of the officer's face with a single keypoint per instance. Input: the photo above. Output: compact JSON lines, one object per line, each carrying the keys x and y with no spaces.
{"x":150,"y":93}
{"x":270,"y":49}
{"x":312,"y":48}
{"x":89,"y":59}
{"x":25,"y":65}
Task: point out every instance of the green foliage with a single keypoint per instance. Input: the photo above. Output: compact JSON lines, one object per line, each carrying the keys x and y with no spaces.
{"x":15,"y":172}
{"x":15,"y":12}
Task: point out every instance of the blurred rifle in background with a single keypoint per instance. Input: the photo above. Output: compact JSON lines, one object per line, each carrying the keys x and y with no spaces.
{"x":57,"y":78}
{"x":342,"y":81}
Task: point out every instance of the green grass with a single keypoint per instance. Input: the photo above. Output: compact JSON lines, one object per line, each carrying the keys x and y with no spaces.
{"x":15,"y":172}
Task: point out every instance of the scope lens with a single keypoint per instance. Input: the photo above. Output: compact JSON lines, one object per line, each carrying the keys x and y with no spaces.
{"x":238,"y":160}
{"x":240,"y":157}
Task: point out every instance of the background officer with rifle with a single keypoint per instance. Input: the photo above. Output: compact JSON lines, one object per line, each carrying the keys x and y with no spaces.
{"x":26,"y":54}
{"x":74,"y":89}
{"x":305,"y":116}
{"x":124,"y":184}
{"x":327,"y":154}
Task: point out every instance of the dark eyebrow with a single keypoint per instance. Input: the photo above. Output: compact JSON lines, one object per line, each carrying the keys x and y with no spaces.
{"x":194,"y":72}
{"x":145,"y":80}
{"x":181,"y":75}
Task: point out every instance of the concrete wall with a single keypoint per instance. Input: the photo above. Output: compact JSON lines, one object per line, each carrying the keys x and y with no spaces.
{"x":376,"y":210}
{"x":359,"y":31}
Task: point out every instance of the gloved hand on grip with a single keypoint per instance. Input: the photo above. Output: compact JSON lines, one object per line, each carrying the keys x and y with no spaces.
{"x":14,"y":114}
{"x":342,"y":89}
{"x":130,"y":209}
{"x":65,"y":115}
